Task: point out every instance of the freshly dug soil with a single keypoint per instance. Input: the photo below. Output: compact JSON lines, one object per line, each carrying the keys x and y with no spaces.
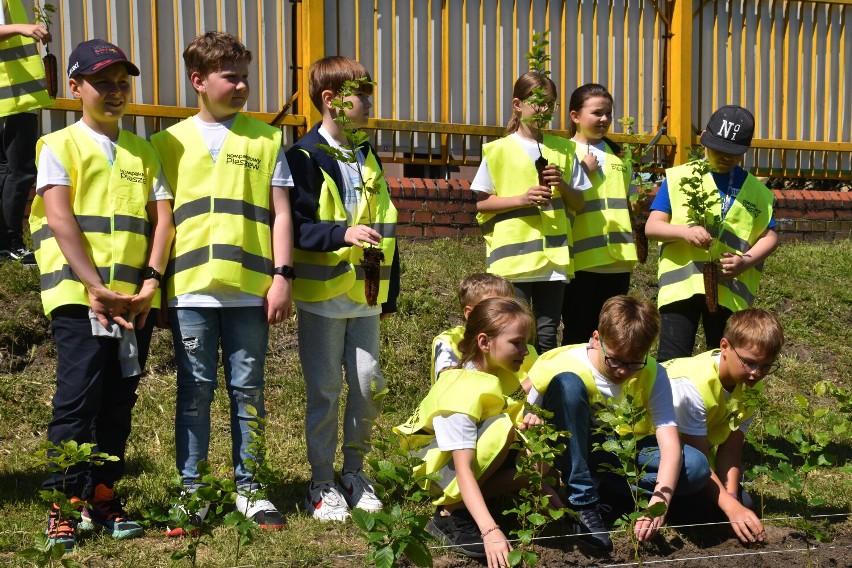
{"x":711,"y":286}
{"x":372,"y":265}
{"x":641,"y":241}
{"x":50,"y":78}
{"x":701,"y":547}
{"x":540,"y":164}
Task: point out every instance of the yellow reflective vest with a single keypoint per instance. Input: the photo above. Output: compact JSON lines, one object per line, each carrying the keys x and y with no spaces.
{"x":747,"y":219}
{"x":723,"y":414}
{"x":109,"y":205}
{"x":561,"y":360}
{"x":22,"y":85}
{"x":510,"y":382}
{"x":324,"y":275}
{"x":524,"y":240}
{"x":460,"y":391}
{"x":602,"y":230}
{"x":222,"y":210}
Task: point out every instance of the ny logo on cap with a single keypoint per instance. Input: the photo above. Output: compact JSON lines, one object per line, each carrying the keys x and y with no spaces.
{"x":728,"y":130}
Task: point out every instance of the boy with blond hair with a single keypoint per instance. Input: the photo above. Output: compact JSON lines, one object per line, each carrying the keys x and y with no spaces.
{"x":712,"y":415}
{"x":231,"y":266}
{"x":472,"y":290}
{"x":570,"y":381}
{"x":334,"y":220}
{"x":98,"y":285}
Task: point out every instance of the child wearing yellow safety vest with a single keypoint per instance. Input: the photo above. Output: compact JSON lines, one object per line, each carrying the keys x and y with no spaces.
{"x":524,"y":222}
{"x":572,"y":382}
{"x":713,"y":414}
{"x":102,"y":226}
{"x":464,"y":427}
{"x":230,"y":270}
{"x":472,"y":290}
{"x":22,"y":92}
{"x":334,"y":221}
{"x":604,"y":251}
{"x":745,"y":239}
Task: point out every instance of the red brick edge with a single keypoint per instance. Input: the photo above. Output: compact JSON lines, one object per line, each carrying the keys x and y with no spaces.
{"x":447,"y":208}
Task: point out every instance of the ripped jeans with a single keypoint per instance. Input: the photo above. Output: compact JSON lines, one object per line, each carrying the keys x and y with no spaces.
{"x":196,"y":332}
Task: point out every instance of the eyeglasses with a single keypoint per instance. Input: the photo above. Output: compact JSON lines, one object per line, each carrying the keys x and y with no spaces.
{"x":755,"y":368}
{"x":614,"y":363}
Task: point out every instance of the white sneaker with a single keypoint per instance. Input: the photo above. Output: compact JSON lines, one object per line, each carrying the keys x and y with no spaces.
{"x":326,"y":503}
{"x":261,"y":511}
{"x":359,"y":492}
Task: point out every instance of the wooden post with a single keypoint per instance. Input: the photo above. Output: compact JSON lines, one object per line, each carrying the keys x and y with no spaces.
{"x":311,"y":30}
{"x":680,"y":79}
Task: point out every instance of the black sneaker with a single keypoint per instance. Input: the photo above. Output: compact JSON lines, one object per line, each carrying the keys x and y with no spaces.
{"x":24,"y":255}
{"x":459,"y":531}
{"x":106,"y":512}
{"x":590,"y":529}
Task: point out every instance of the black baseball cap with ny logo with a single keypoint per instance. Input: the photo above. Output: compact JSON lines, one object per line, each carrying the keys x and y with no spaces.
{"x":729,"y":130}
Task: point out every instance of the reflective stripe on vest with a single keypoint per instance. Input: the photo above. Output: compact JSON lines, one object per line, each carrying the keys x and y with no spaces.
{"x":527,"y":239}
{"x":21,"y":69}
{"x":460,"y":391}
{"x":562,"y":360}
{"x":109,"y":206}
{"x":722,"y":415}
{"x":324,"y":275}
{"x":680,"y":269}
{"x":602,"y":230}
{"x":223,"y":235}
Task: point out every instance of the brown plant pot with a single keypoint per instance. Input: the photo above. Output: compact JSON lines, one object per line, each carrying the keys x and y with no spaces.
{"x":50,"y":77}
{"x":641,"y":241}
{"x":371,"y":263}
{"x":711,"y":286}
{"x":540,"y":164}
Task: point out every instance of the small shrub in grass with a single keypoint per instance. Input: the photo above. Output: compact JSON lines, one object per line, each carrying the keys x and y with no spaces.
{"x":60,"y":458}
{"x":538,"y":447}
{"x":392,"y":535}
{"x":618,"y":422}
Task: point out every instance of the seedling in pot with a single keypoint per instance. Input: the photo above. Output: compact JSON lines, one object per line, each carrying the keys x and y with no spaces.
{"x":42,"y":15}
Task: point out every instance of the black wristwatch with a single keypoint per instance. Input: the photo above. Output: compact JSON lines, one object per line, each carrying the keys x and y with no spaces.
{"x":285,"y":271}
{"x":149,"y":272}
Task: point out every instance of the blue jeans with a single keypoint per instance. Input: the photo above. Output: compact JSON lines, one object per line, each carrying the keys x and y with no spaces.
{"x":568,"y":399}
{"x":196,"y":332}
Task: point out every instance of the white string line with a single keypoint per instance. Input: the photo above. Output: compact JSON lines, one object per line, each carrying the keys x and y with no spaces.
{"x":612,"y":532}
{"x":735,"y":554}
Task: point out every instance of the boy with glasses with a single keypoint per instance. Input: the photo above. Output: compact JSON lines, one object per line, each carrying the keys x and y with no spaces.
{"x":570,"y":382}
{"x":709,"y":393}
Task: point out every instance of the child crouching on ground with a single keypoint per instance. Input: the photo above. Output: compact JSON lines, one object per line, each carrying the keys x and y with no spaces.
{"x":709,"y":393}
{"x":465,"y":427}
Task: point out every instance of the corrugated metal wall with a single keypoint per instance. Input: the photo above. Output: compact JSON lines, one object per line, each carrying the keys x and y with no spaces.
{"x":453,"y":62}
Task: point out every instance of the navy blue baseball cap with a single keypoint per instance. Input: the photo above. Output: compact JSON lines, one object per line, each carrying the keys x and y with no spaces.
{"x":95,"y":54}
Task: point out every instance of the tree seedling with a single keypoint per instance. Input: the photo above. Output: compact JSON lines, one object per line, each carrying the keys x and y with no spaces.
{"x":42,"y":15}
{"x":619,"y":420}
{"x":538,"y":447}
{"x":373,"y":257}
{"x":701,"y":211}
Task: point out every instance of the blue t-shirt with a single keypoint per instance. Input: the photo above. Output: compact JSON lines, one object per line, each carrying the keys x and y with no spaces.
{"x":729,"y":185}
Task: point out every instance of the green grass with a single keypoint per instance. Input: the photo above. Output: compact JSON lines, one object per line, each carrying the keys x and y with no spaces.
{"x":806,"y":285}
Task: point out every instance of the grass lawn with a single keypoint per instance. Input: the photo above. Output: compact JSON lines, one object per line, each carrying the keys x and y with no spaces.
{"x":806,"y":285}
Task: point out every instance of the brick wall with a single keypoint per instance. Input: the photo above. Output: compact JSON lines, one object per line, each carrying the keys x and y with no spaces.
{"x":447,"y":208}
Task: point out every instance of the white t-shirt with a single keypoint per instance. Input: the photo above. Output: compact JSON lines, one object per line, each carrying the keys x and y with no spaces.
{"x":52,"y":172}
{"x":659,"y":403}
{"x":214,"y":135}
{"x":689,"y":406}
{"x":342,"y":306}
{"x":483,"y":183}
{"x":445,"y":357}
